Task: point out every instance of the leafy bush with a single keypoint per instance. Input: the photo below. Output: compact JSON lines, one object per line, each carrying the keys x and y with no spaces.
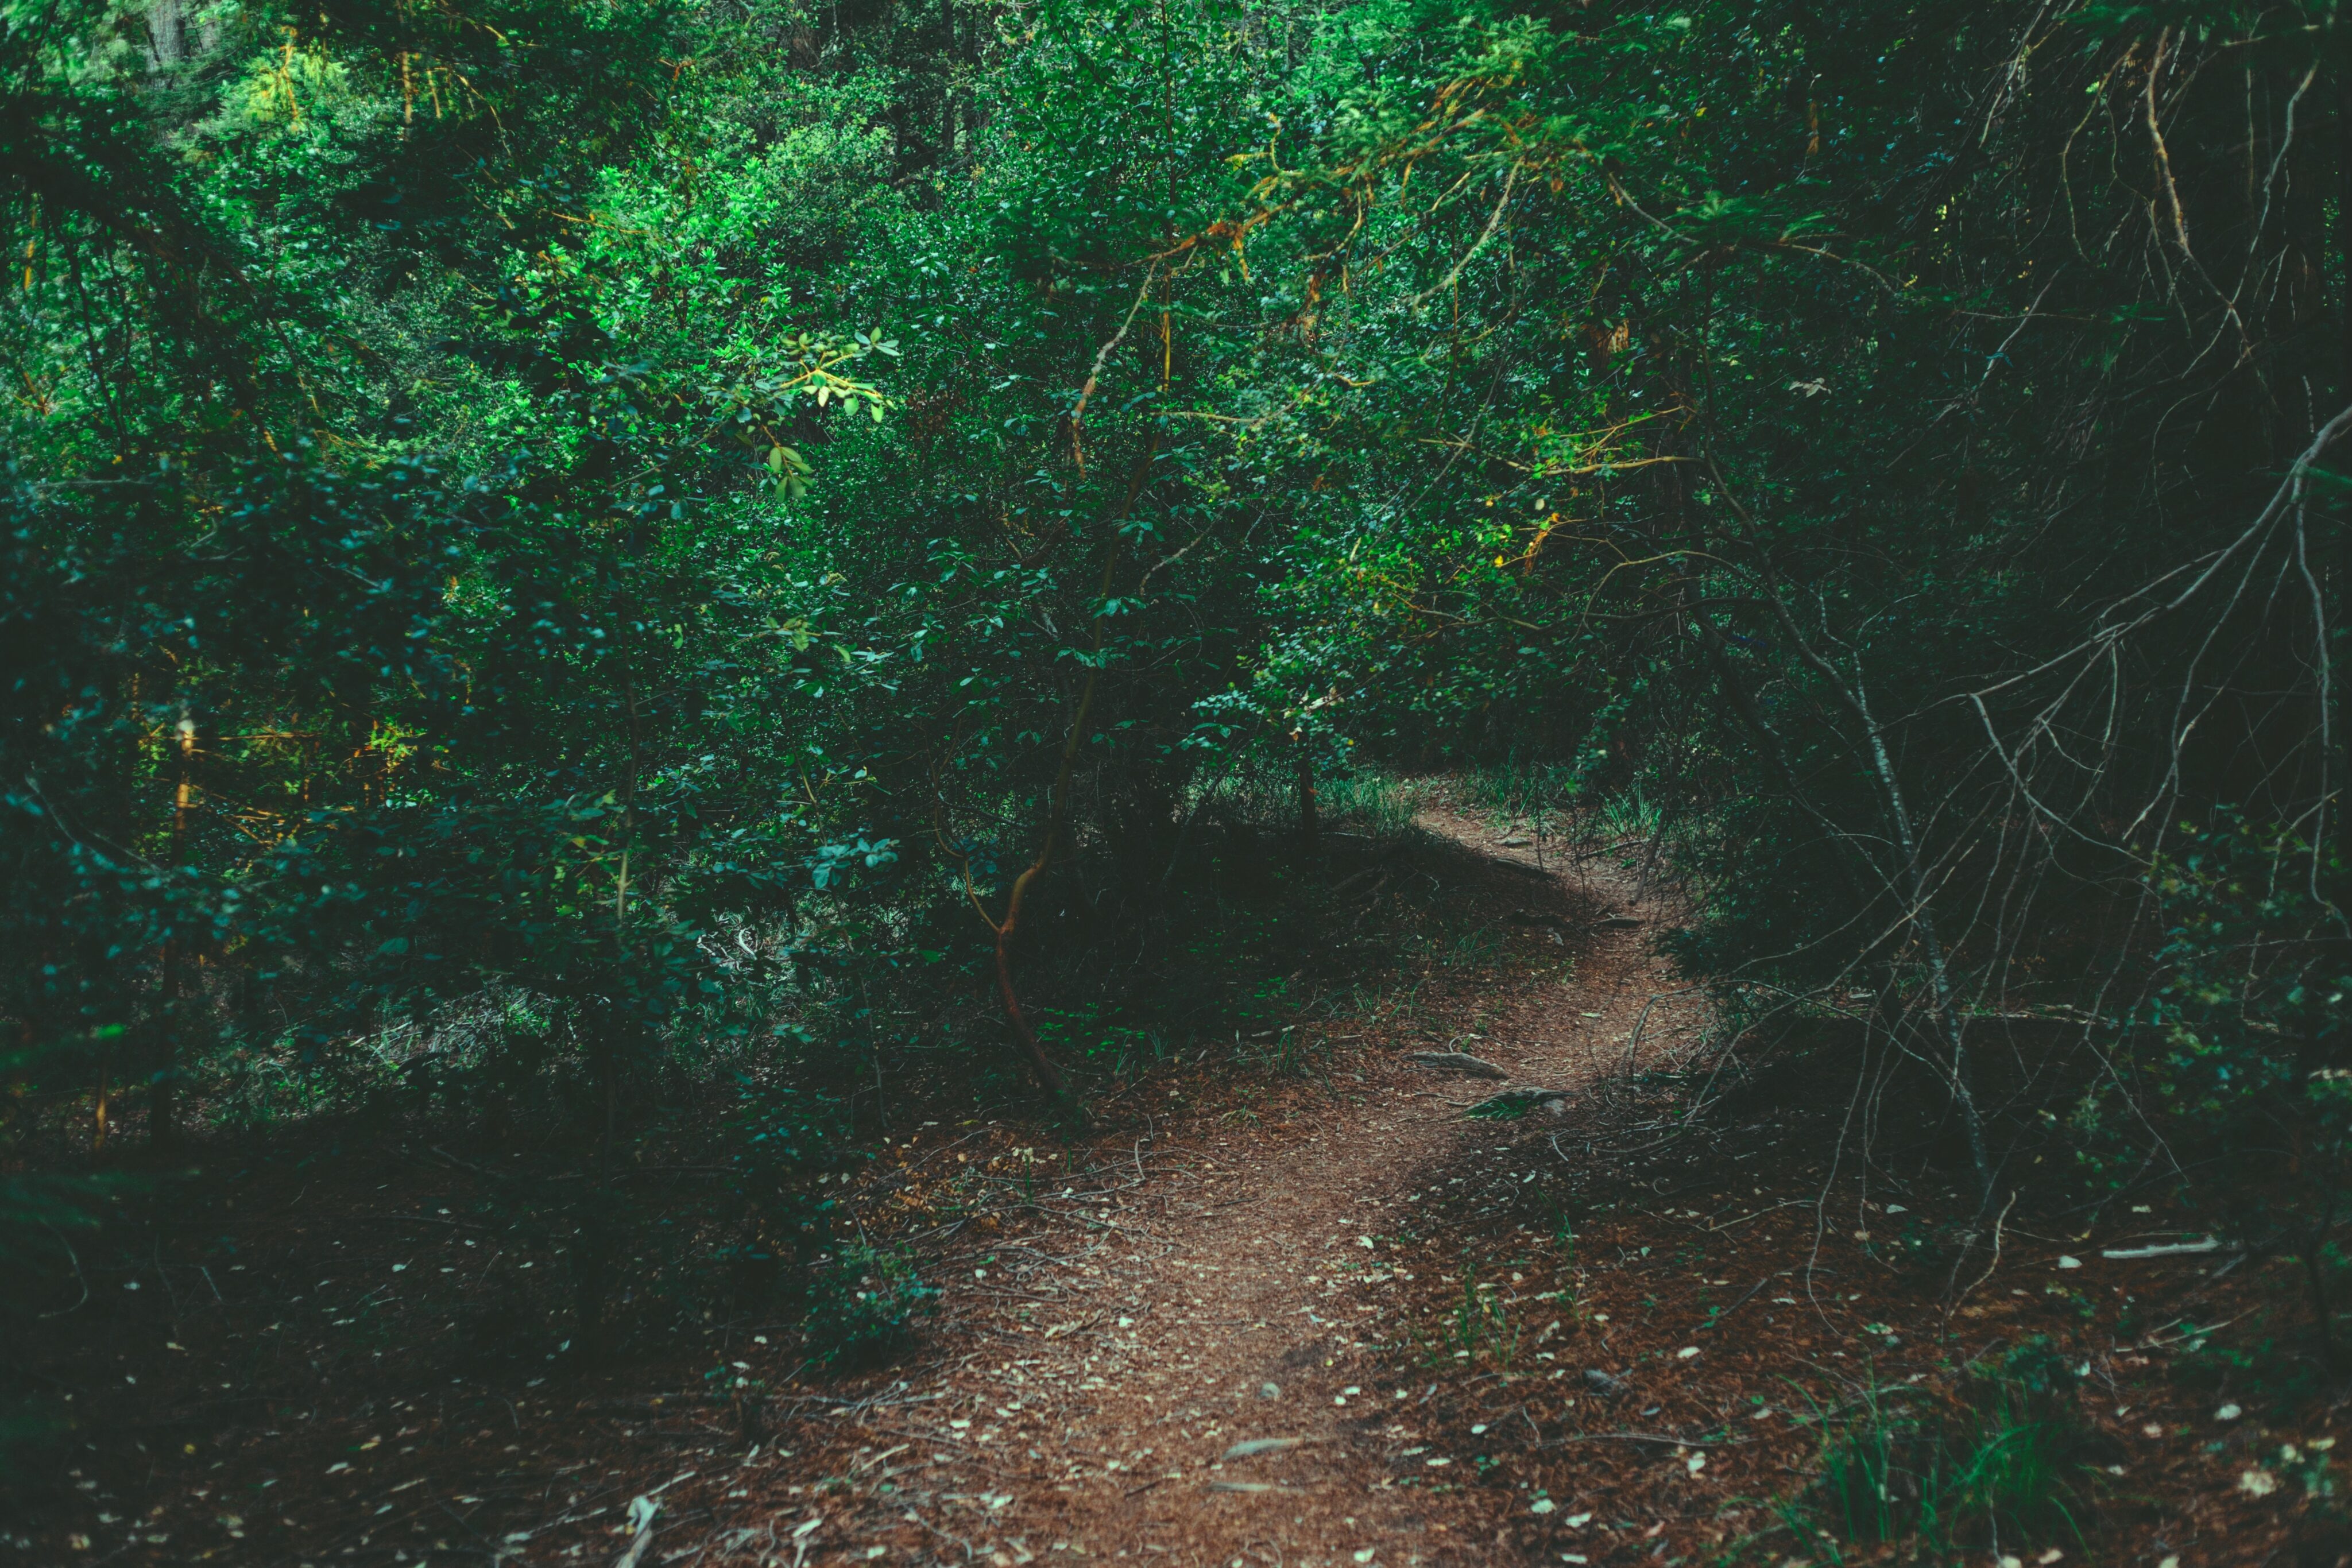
{"x":780,"y":1135}
{"x":731,"y":1384}
{"x":2243,"y":1049}
{"x":863,"y":1306}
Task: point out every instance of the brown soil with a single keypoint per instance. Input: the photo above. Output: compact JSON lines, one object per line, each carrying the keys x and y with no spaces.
{"x":1247,"y":1291}
{"x":1413,"y":1304}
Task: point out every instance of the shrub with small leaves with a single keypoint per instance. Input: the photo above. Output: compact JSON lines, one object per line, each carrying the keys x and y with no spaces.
{"x":731,"y":1384}
{"x":863,"y":1306}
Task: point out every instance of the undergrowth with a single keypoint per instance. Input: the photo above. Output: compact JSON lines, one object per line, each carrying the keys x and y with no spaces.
{"x":863,"y":1305}
{"x":2000,"y":1463}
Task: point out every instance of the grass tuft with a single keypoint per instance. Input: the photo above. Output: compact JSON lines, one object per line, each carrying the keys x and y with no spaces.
{"x":1993,"y":1466}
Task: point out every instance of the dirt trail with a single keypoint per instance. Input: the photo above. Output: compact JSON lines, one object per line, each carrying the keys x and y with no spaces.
{"x":1232,"y":1298}
{"x":335,"y":1355}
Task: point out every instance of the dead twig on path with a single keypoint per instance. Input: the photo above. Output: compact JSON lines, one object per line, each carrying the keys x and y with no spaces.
{"x":1981,"y":1279}
{"x":1666,"y":1438}
{"x":1460,"y":1062}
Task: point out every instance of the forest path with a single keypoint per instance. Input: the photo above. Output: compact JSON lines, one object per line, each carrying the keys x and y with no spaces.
{"x":1090,"y":1399}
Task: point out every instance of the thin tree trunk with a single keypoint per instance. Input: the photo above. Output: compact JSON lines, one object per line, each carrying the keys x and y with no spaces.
{"x":1058,"y":801}
{"x":1939,"y":973}
{"x":1914,"y":890}
{"x":1308,"y":829}
{"x":2314,"y":1269}
{"x":163,"y":1100}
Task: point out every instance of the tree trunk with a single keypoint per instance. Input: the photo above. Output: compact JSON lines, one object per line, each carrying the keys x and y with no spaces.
{"x":163,"y":1100}
{"x":1308,"y":829}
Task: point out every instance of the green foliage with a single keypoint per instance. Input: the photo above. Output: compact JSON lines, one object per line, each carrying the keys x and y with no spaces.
{"x":2257,"y":996}
{"x":1480,"y":1326}
{"x":781,"y":1137}
{"x":863,"y":1305}
{"x":2243,"y":1048}
{"x":1520,"y":790}
{"x":731,"y":1384}
{"x":1084,"y":1033}
{"x":1289,"y":1053}
{"x":1368,"y":800}
{"x":672,"y":513}
{"x":1997,"y":1466}
{"x":1507,"y":1106}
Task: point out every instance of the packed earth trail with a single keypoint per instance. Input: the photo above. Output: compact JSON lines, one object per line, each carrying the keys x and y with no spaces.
{"x":1287,"y":1303}
{"x":1194,"y":1368}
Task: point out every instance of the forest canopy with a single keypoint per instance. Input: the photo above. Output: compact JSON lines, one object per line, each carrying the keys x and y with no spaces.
{"x":628,"y":546}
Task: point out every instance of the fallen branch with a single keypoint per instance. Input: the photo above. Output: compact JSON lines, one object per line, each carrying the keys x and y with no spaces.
{"x":643,"y":1511}
{"x":1457,"y":1062}
{"x":1717,"y":1319}
{"x":1644,"y":1438}
{"x":1057,"y":804}
{"x":1981,"y":1279}
{"x":1242,"y":1451}
{"x":2163,"y":1249}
